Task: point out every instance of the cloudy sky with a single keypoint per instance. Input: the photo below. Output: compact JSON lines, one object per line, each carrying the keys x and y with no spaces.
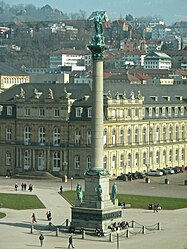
{"x":169,"y":10}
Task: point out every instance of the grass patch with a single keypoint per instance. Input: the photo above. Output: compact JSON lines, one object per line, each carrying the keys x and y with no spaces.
{"x":139,"y":201}
{"x":2,"y":215}
{"x":69,"y":196}
{"x":20,"y":201}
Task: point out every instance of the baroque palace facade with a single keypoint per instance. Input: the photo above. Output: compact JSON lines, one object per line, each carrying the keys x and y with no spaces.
{"x":47,"y":127}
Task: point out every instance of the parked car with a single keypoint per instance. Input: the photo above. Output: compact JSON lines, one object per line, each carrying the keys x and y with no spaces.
{"x":163,"y":171}
{"x":122,"y":177}
{"x":169,"y":171}
{"x":155,"y":173}
{"x":176,"y":169}
{"x":182,"y":169}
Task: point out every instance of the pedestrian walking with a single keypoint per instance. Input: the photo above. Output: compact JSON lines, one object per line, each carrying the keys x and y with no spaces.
{"x":16,"y":186}
{"x":41,"y":239}
{"x":70,"y":242}
{"x":33,"y":218}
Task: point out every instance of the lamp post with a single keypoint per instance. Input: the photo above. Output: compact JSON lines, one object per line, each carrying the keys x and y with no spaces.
{"x":185,"y":181}
{"x":147,"y":178}
{"x":71,"y":182}
{"x":117,"y":233}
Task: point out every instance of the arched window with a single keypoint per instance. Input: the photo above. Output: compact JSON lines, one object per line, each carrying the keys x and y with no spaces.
{"x":56,"y":136}
{"x":177,"y":133}
{"x":177,"y":155}
{"x":157,"y":157}
{"x":40,"y":160}
{"x":164,"y":134}
{"x":136,"y":137}
{"x":113,"y":137}
{"x":151,"y":158}
{"x":183,"y":133}
{"x":121,"y":139}
{"x":157,"y":134}
{"x":129,"y":136}
{"x":170,"y":155}
{"x":27,"y":135}
{"x":121,"y":161}
{"x":105,"y":137}
{"x":182,"y":154}
{"x":170,"y":133}
{"x":136,"y":162}
{"x":56,"y":160}
{"x":105,"y":162}
{"x":144,"y":135}
{"x":129,"y":160}
{"x":164,"y":157}
{"x":144,"y":158}
{"x":26,"y":158}
{"x":41,"y":136}
{"x":151,"y":135}
{"x":113,"y":162}
{"x":89,"y":137}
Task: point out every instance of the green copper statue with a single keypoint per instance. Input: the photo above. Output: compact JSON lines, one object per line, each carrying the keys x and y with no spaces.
{"x":99,"y":17}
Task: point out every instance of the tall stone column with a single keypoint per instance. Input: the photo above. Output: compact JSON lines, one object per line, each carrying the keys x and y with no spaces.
{"x":97,"y":115}
{"x":96,"y":209}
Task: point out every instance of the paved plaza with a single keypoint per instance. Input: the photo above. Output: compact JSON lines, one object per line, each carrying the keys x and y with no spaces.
{"x":16,"y":226}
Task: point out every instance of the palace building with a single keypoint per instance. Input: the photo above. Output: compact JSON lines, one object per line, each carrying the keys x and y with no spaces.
{"x":47,"y":127}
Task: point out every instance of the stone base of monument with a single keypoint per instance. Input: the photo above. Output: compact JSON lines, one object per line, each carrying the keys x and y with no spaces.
{"x":94,"y":212}
{"x":95,"y":218}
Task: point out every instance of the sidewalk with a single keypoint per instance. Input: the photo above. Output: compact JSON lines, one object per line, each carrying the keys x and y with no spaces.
{"x":15,"y":227}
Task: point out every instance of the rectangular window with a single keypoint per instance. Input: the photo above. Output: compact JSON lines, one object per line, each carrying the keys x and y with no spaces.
{"x":89,"y":112}
{"x":27,"y":112}
{"x":41,"y":112}
{"x":79,"y":112}
{"x":77,"y":162}
{"x":136,"y":112}
{"x":56,"y":113}
{"x":182,"y":110}
{"x":1,"y":109}
{"x":113,"y":113}
{"x":121,"y":113}
{"x":8,"y":134}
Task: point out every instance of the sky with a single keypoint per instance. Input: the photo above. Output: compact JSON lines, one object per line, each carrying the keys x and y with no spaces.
{"x":170,"y":10}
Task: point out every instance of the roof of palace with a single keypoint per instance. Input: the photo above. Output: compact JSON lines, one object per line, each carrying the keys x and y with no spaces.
{"x":8,"y":70}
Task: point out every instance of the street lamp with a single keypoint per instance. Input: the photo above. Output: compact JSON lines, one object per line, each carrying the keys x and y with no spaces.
{"x":117,"y":232}
{"x":147,"y":178}
{"x":71,"y":182}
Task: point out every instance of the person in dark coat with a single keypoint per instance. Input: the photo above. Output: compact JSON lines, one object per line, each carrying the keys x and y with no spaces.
{"x":70,"y":242}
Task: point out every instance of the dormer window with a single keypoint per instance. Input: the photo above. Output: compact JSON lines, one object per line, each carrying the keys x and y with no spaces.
{"x":9,"y":110}
{"x":163,"y":111}
{"x":157,"y":111}
{"x":176,"y":111}
{"x":89,"y":112}
{"x":182,"y":110}
{"x":79,"y":112}
{"x":1,"y":109}
{"x":150,"y":111}
{"x":169,"y":111}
